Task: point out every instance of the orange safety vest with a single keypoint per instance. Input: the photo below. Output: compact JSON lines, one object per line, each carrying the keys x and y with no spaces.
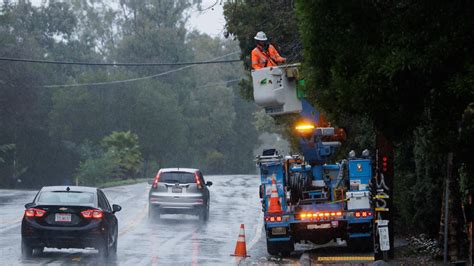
{"x":261,"y":59}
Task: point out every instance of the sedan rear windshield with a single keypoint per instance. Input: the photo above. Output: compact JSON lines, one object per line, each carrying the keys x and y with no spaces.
{"x":177,"y":177}
{"x":64,"y":197}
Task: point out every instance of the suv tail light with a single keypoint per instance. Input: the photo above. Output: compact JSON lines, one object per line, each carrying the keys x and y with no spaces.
{"x":157,"y":179}
{"x":95,"y":214}
{"x":33,"y":212}
{"x":198,"y":181}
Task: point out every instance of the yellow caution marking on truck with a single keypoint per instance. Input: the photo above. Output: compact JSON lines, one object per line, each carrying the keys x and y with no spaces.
{"x":347,"y":258}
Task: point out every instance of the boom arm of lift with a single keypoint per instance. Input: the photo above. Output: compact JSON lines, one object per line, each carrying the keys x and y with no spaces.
{"x":275,"y":90}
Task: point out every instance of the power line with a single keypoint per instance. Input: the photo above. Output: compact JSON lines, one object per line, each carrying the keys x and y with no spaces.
{"x":224,"y":82}
{"x":130,"y":80}
{"x":22,"y":60}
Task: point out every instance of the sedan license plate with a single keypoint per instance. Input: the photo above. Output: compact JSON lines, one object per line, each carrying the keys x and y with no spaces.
{"x":62,"y":217}
{"x":318,"y":226}
{"x":177,"y":190}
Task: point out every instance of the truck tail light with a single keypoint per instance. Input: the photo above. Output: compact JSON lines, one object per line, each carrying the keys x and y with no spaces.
{"x":274,"y":219}
{"x":318,"y":215}
{"x":362,"y":214}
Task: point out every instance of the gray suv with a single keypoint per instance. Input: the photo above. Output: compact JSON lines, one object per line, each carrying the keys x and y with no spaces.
{"x":179,"y":190}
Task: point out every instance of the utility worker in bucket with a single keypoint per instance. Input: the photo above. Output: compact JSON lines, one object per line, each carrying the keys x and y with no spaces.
{"x":265,"y":55}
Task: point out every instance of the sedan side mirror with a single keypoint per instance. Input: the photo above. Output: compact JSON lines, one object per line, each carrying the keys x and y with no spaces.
{"x":208,"y":183}
{"x":29,"y":205}
{"x":116,"y":208}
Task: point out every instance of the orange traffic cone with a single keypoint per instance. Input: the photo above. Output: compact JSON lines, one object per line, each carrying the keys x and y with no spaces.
{"x":240,"y":248}
{"x":274,"y":205}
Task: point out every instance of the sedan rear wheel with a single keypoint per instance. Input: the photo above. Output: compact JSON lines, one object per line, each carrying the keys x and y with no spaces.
{"x":26,"y":250}
{"x":113,"y":250}
{"x":104,"y":249}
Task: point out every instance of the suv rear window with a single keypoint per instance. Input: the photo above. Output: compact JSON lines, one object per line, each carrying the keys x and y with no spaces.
{"x":177,"y":177}
{"x":63,"y":197}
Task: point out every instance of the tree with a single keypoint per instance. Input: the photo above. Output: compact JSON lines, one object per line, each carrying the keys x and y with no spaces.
{"x":123,"y":147}
{"x":276,"y":18}
{"x":401,"y":64}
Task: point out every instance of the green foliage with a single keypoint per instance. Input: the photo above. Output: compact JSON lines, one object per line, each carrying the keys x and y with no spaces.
{"x":276,"y":18}
{"x":466,"y":148}
{"x":58,"y":132}
{"x":403,"y":67}
{"x":4,"y":148}
{"x":123,"y":147}
{"x":97,"y":170}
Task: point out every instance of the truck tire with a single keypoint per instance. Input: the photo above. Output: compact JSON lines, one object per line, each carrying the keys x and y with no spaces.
{"x":283,"y":248}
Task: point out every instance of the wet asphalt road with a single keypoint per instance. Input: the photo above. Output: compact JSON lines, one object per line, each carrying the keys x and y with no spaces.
{"x":173,"y":240}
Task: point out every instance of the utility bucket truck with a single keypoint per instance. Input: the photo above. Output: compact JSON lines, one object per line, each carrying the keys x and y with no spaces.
{"x":305,"y":197}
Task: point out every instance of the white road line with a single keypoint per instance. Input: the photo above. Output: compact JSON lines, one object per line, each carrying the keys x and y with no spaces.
{"x":258,"y":232}
{"x":10,"y":227}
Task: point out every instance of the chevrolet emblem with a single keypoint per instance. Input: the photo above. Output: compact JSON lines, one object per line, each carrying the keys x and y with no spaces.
{"x":63,"y":209}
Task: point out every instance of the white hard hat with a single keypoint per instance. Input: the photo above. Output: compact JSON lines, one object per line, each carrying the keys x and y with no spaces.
{"x":260,"y":36}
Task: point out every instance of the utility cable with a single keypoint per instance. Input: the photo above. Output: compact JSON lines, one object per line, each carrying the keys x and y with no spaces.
{"x":22,"y":60}
{"x":130,"y":80}
{"x":224,"y":82}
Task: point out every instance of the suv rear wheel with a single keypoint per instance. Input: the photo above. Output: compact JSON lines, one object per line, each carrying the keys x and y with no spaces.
{"x":153,"y":213}
{"x":204,"y":214}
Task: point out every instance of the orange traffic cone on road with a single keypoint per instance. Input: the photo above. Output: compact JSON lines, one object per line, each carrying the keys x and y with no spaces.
{"x":240,"y":248}
{"x":274,"y":205}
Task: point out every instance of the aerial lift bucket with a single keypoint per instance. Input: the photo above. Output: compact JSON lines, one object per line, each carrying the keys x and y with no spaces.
{"x":275,"y":89}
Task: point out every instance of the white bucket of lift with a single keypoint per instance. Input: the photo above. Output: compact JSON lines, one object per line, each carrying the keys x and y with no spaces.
{"x":274,"y":91}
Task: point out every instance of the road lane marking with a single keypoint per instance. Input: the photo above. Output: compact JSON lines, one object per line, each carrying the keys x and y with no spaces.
{"x":9,"y":227}
{"x":13,"y":221}
{"x":347,"y":258}
{"x":258,"y":232}
{"x":134,"y":223}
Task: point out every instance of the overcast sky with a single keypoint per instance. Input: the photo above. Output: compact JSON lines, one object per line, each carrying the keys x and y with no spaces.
{"x":211,"y":20}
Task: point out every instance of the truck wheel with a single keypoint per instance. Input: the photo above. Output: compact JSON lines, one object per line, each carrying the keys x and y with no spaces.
{"x":283,"y":248}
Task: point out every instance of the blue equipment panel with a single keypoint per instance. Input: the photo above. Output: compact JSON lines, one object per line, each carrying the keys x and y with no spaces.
{"x":361,"y":170}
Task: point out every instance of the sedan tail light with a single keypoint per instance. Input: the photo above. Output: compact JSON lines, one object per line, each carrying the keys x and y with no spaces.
{"x":92,"y":214}
{"x":34,"y":212}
